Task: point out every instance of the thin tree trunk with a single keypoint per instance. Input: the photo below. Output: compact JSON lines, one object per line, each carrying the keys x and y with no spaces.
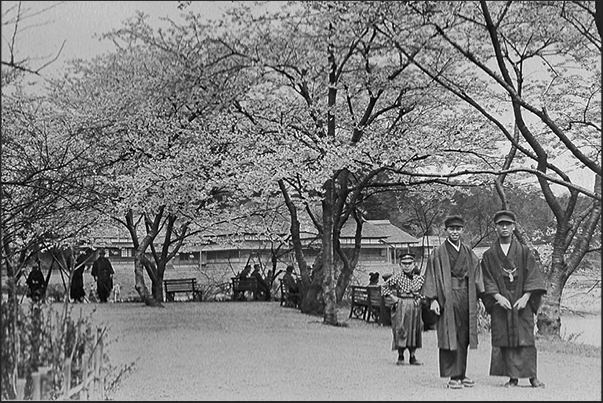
{"x":330,"y":314}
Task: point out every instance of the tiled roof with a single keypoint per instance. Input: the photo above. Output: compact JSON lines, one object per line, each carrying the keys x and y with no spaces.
{"x":379,"y":229}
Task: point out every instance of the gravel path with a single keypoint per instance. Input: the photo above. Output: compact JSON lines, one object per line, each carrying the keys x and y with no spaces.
{"x":261,"y":351}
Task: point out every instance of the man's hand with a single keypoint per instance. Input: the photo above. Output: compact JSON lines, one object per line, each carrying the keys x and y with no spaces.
{"x":502,"y":301}
{"x":522,"y":302}
{"x":435,"y":307}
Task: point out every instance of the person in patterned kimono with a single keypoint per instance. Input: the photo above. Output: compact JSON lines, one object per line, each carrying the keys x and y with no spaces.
{"x":453,"y":284}
{"x":514,"y":286}
{"x":401,"y":293}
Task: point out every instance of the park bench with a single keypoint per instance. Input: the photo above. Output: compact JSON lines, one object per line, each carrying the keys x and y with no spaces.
{"x":368,"y":304}
{"x":241,"y":285}
{"x":360,"y":302}
{"x":187,"y":285}
{"x":377,"y":310}
{"x":289,"y":299}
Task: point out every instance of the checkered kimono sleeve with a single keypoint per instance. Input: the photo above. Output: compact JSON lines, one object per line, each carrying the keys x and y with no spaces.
{"x":402,"y":284}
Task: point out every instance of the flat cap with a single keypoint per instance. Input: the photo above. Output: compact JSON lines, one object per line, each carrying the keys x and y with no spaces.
{"x":504,"y":216}
{"x":454,"y":221}
{"x":407,"y":258}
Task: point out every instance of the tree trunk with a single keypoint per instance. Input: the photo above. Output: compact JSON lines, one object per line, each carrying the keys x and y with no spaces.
{"x":328,"y":286}
{"x":158,"y":281}
{"x":140,"y":286}
{"x":548,"y":319}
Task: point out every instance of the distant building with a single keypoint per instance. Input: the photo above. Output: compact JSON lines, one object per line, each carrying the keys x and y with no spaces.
{"x":222,"y":255}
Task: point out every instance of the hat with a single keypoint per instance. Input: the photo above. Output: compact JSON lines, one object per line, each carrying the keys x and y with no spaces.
{"x":454,"y":221}
{"x":407,"y":258}
{"x":504,"y":216}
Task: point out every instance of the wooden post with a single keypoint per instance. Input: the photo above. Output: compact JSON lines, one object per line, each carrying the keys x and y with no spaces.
{"x":67,"y":378}
{"x":84,"y":392}
{"x":44,"y":374}
{"x":21,"y":388}
{"x":35,"y":377}
{"x":101,"y":379}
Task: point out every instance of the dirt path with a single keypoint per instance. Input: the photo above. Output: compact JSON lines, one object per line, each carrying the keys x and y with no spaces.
{"x":261,"y":351}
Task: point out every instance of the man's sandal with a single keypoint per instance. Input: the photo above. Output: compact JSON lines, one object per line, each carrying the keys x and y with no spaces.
{"x":455,"y":384}
{"x":512,"y":382}
{"x":468,"y":382}
{"x":536,"y":383}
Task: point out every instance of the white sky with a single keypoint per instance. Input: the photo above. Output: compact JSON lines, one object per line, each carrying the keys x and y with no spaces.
{"x":77,"y":22}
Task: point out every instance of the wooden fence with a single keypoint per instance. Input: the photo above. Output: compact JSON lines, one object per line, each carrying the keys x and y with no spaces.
{"x":92,"y":386}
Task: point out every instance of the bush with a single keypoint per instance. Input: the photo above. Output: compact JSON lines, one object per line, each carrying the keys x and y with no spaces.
{"x":34,"y":335}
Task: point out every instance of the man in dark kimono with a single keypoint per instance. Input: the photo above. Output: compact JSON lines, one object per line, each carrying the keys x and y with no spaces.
{"x":77,"y":291}
{"x":453,"y":284}
{"x":402,"y":293}
{"x":36,"y":283}
{"x":514,"y":285}
{"x":102,"y":271}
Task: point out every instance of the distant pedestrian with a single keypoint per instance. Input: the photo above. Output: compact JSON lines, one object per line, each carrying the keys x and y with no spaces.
{"x":402,"y":293}
{"x":514,"y":286}
{"x":77,"y":290}
{"x":36,"y":283}
{"x":102,"y":271}
{"x":453,"y":283}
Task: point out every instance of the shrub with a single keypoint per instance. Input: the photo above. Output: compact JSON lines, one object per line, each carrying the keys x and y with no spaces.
{"x":35,"y":335}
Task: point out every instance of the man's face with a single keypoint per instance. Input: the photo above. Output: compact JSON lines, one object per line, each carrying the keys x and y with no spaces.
{"x":504,"y":229}
{"x":454,"y":232}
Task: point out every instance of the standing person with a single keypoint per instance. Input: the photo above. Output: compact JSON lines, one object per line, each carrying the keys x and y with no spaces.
{"x":102,"y":271}
{"x":514,"y":286}
{"x":402,"y":293}
{"x":36,"y":283}
{"x":453,"y":284}
{"x":77,"y":291}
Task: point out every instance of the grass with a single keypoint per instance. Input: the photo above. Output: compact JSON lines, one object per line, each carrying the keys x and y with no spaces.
{"x":560,"y":346}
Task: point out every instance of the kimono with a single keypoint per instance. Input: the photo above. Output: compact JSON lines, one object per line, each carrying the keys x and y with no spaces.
{"x":102,"y":271}
{"x":513,"y":344}
{"x":455,"y":280}
{"x":77,"y":291}
{"x":407,"y":323}
{"x":36,"y":283}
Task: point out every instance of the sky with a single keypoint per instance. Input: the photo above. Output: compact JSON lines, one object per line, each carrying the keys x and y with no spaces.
{"x":77,"y":22}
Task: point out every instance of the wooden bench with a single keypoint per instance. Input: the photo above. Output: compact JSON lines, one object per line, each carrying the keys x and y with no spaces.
{"x":369,"y":305}
{"x":289,"y":299}
{"x":377,"y":310}
{"x":241,"y":285}
{"x":360,"y":302}
{"x":188,"y":285}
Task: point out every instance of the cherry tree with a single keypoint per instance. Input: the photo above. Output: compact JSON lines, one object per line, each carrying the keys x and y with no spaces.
{"x":162,"y":146}
{"x":335,"y":111}
{"x":533,"y":71}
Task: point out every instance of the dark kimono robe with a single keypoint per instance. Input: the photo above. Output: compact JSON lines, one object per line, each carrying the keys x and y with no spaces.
{"x":102,"y":271}
{"x":513,"y":344}
{"x":77,"y":291}
{"x":438,"y":285}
